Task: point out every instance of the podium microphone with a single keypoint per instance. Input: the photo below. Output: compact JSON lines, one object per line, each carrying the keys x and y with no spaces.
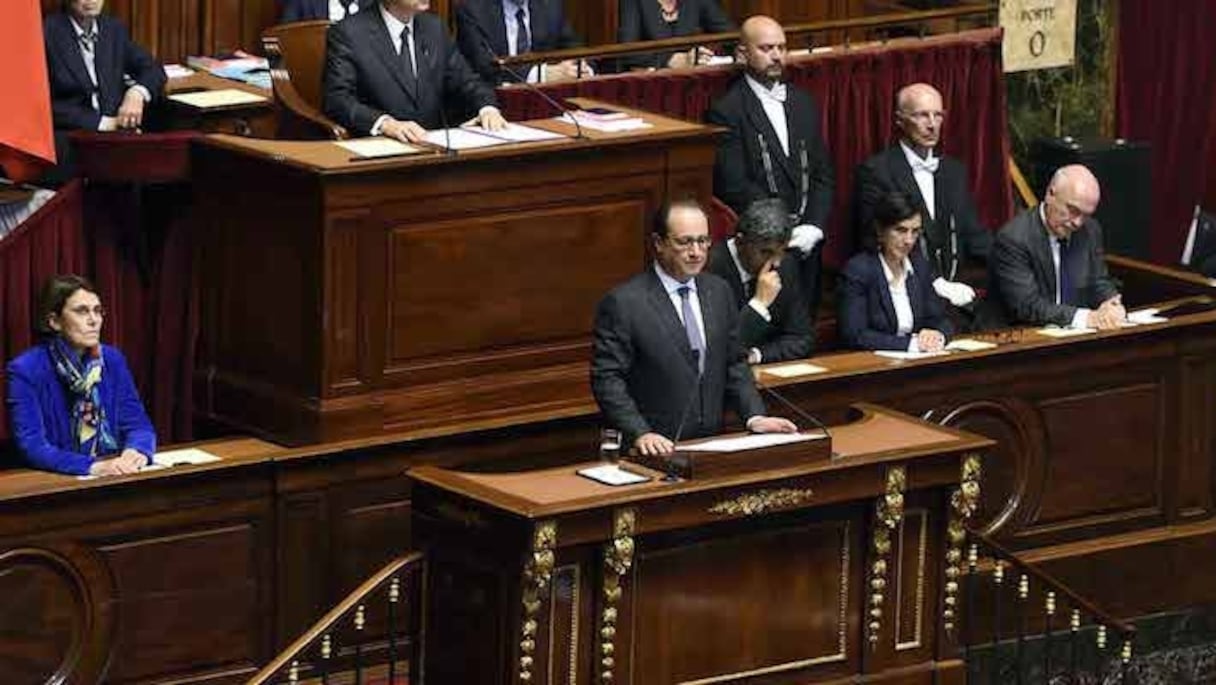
{"x":693,"y":395}
{"x":802,"y":413}
{"x":484,"y":42}
{"x":448,"y":150}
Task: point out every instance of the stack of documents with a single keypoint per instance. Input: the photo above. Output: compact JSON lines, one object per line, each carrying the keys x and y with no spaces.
{"x":471,"y":138}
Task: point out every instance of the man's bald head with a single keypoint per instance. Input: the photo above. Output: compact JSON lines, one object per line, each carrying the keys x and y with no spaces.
{"x":919,"y":116}
{"x":1072,"y":196}
{"x":762,"y":48}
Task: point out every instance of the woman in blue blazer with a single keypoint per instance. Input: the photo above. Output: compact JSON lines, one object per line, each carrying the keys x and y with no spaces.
{"x":885,"y":297}
{"x":73,"y":405}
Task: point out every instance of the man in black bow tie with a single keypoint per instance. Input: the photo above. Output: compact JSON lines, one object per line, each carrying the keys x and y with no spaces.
{"x":774,"y":147}
{"x":952,"y":231}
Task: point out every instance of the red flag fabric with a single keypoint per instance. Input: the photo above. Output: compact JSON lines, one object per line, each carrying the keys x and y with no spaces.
{"x":27,"y":137}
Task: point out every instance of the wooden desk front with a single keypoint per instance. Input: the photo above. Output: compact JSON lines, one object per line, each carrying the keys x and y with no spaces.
{"x":546,"y":577}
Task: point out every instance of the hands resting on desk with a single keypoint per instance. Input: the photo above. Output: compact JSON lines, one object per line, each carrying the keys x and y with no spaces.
{"x":653,"y":444}
{"x":129,"y":461}
{"x":130,"y":113}
{"x":489,"y":118}
{"x":1111,"y":314}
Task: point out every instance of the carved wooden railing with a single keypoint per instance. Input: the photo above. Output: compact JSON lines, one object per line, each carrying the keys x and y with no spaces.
{"x":373,"y":635}
{"x":1018,"y":624}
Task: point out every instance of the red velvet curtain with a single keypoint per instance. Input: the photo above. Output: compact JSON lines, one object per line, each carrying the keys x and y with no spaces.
{"x":856,"y":89}
{"x":51,"y":241}
{"x":1166,"y":95}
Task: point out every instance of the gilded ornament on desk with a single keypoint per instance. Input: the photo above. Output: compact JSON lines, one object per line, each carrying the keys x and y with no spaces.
{"x":537,"y":573}
{"x":618,"y":559}
{"x":762,"y":501}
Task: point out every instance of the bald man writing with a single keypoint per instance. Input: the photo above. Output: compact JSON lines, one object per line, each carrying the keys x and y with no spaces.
{"x":1047,"y":265}
{"x":952,"y":234}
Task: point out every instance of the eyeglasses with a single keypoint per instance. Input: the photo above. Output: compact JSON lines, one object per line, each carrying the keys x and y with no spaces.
{"x":689,"y":241}
{"x":84,"y":310}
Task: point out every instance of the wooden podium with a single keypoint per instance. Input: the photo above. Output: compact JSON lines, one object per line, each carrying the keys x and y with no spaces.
{"x":347,"y":298}
{"x":812,"y":571}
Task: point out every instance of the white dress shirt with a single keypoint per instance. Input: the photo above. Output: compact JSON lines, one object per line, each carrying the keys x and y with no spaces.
{"x":773,"y":102}
{"x":898,"y":287}
{"x":672,"y":286}
{"x":395,"y":26}
{"x":922,"y":173}
{"x":1080,"y":319}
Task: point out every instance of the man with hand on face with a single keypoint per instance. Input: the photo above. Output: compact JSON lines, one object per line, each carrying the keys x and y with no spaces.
{"x":667,"y":359}
{"x":100,"y":80}
{"x":773,"y":321}
{"x":774,"y":148}
{"x":389,"y":71}
{"x":1047,"y":264}
{"x":952,"y":232}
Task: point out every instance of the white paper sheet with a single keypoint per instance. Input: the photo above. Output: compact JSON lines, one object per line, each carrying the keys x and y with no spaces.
{"x":1065,"y":332}
{"x":1143,"y":316}
{"x":749,"y":442}
{"x":206,"y":99}
{"x":794,"y":370}
{"x":183,"y":457}
{"x":969,"y":345}
{"x":518,"y":133}
{"x":609,"y":126}
{"x":371,"y":148}
{"x":462,"y":139}
{"x":612,"y":474}
{"x":893,"y":354}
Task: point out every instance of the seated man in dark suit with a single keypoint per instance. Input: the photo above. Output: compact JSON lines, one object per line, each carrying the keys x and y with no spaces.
{"x":333,"y":10}
{"x":1047,"y":265}
{"x":951,"y":232}
{"x":100,"y":79}
{"x":389,"y":71}
{"x":774,"y":147}
{"x":486,"y":29}
{"x":884,"y":294}
{"x":773,"y":321}
{"x":667,"y":359}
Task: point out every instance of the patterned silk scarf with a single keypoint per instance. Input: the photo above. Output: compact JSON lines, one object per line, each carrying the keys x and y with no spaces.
{"x":82,"y":377}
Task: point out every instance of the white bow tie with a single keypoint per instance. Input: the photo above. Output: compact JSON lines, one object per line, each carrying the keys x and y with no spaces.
{"x":777,"y":92}
{"x":928,"y":164}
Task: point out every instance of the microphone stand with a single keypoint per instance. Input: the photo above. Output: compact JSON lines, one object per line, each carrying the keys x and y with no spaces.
{"x":802,"y":413}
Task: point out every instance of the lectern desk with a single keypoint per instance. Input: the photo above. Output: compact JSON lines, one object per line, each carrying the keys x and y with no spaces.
{"x":806,"y":572}
{"x":344,"y":298}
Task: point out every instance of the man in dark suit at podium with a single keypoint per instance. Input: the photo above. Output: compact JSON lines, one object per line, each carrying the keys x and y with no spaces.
{"x":1047,"y":265}
{"x":390,"y":70}
{"x":667,"y":359}
{"x":773,"y":321}
{"x":952,"y":230}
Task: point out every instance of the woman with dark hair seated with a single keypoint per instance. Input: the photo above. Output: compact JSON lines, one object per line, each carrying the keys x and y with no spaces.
{"x":659,"y":19}
{"x":73,"y":405}
{"x":886,"y":300}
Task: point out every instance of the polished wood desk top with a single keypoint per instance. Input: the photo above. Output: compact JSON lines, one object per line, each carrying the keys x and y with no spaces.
{"x":327,"y":157}
{"x":877,"y":436}
{"x":201,"y":80}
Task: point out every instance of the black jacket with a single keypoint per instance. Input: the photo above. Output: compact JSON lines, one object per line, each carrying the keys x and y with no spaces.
{"x":639,"y":20}
{"x":788,"y":334}
{"x":866,"y":316}
{"x":481,"y":24}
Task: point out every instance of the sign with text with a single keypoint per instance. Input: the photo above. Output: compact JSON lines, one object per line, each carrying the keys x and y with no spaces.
{"x":1038,"y":33}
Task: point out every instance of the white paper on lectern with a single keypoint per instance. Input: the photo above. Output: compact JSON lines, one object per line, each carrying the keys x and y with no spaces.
{"x":750,"y":442}
{"x":612,"y":474}
{"x":188,"y":455}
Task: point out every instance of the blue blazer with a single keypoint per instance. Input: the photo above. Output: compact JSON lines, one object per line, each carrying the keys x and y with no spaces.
{"x":40,"y":411}
{"x":866,"y":313}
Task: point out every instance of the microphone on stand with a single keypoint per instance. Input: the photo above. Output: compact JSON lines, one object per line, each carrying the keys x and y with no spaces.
{"x":484,"y":42}
{"x":443,"y":115}
{"x":802,"y":413}
{"x":693,"y":395}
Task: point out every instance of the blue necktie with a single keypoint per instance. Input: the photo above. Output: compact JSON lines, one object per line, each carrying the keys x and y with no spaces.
{"x":690,"y":327}
{"x":1066,"y":293}
{"x":523,"y":41}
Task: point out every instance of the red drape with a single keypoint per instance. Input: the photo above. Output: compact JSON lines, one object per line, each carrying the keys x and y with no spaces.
{"x":856,"y":89}
{"x":50,"y":242}
{"x":1166,"y":95}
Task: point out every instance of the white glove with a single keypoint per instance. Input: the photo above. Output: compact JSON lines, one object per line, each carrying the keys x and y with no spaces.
{"x":805,"y":237}
{"x":959,"y":294}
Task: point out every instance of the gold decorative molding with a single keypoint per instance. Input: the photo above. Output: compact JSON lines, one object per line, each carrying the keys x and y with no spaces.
{"x":922,"y":546}
{"x":762,"y":501}
{"x":888,"y":514}
{"x":574,"y":573}
{"x":964,"y":502}
{"x":618,"y":559}
{"x":538,"y":572}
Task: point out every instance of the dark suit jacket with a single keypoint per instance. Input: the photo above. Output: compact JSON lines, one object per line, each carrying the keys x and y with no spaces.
{"x":481,"y":22}
{"x":643,"y":20}
{"x":889,"y":171}
{"x":866,"y":312}
{"x":643,"y":370}
{"x":1023,"y":274}
{"x":365,"y":77}
{"x":305,"y":10}
{"x":116,"y":57}
{"x":39,"y":411}
{"x":788,"y":335}
{"x":739,"y":173}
